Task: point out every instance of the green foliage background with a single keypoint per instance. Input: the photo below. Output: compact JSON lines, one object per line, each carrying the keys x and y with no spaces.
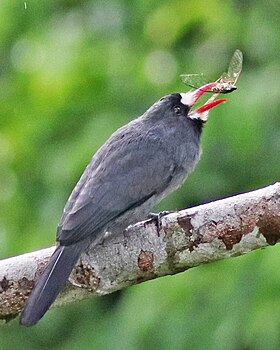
{"x":72,"y":72}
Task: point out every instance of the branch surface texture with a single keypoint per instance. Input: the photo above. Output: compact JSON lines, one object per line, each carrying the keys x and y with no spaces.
{"x":217,"y":230}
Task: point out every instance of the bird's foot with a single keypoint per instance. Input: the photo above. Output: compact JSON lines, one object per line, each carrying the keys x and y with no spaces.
{"x":156,"y":217}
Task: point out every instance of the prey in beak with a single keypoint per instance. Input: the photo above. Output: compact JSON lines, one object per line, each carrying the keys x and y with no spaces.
{"x":191,"y":97}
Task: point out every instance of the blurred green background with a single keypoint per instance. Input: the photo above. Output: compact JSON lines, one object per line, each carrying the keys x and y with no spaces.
{"x":72,"y":72}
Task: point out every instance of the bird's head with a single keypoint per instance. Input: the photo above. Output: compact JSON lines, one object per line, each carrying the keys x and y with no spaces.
{"x":181,"y":104}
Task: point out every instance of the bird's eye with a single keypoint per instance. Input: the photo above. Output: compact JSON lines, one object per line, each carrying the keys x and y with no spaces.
{"x":177,"y":109}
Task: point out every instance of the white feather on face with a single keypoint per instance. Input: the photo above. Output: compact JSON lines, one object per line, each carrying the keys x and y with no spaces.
{"x":187,"y":98}
{"x":200,"y":116}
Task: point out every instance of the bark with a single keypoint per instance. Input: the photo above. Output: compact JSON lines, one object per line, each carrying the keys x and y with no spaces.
{"x":217,"y":230}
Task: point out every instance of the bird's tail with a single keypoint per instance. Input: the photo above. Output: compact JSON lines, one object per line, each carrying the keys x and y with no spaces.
{"x":51,"y":282}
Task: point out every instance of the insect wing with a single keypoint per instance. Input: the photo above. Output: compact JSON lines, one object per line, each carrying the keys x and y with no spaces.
{"x":194,"y":80}
{"x":227,"y":80}
{"x":224,"y":78}
{"x":235,"y":66}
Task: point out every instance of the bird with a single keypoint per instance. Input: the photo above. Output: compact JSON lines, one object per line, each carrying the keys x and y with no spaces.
{"x":141,"y":163}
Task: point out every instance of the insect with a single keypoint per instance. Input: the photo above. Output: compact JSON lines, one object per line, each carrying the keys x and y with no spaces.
{"x":226,"y":81}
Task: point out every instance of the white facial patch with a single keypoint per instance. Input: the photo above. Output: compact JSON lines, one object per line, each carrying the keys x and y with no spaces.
{"x":201,"y":116}
{"x":187,"y":98}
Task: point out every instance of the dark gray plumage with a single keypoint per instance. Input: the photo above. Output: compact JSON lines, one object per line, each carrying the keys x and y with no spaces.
{"x":139,"y":165}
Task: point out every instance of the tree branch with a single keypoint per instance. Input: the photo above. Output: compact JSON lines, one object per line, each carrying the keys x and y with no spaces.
{"x":188,"y":238}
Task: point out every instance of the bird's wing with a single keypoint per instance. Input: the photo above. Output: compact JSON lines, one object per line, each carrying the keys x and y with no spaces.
{"x":123,"y":180}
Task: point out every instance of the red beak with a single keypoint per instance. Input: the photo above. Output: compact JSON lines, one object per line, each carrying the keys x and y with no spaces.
{"x":200,"y":91}
{"x":210,"y":105}
{"x":190,"y":98}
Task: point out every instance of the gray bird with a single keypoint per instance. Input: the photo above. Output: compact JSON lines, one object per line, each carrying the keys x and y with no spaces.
{"x":141,"y":163}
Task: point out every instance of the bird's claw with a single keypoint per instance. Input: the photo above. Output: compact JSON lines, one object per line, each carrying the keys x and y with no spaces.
{"x":156,"y":217}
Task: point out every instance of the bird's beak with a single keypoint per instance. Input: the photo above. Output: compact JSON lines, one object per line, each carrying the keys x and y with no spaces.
{"x":191,"y":97}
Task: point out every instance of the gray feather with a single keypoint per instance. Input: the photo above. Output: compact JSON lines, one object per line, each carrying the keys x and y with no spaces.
{"x":51,"y":282}
{"x":140,"y":164}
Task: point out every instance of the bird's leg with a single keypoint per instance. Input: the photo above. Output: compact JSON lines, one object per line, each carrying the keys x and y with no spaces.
{"x":156,"y":217}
